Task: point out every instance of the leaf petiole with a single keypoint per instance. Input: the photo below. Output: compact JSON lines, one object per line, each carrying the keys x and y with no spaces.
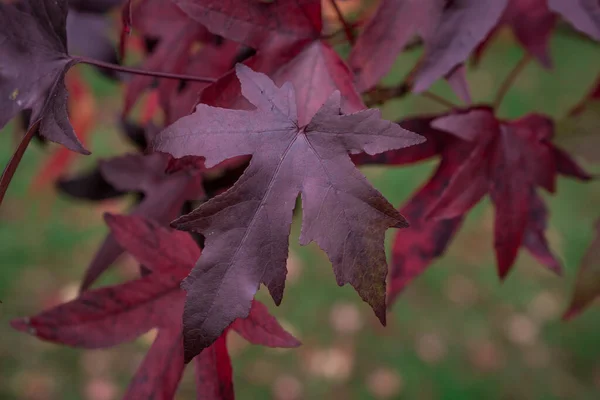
{"x":129,"y":70}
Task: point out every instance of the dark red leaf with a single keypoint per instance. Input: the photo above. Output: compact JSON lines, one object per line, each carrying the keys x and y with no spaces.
{"x":214,"y":373}
{"x":509,"y":160}
{"x":315,"y":73}
{"x":258,"y":24}
{"x":108,"y":316}
{"x":33,"y":63}
{"x":158,"y":248}
{"x":436,"y":142}
{"x":262,"y":328}
{"x":342,"y":212}
{"x":532,"y":23}
{"x":89,"y":185}
{"x":415,"y":248}
{"x":582,"y":14}
{"x":565,"y":165}
{"x":159,"y":374}
{"x":213,"y":61}
{"x":534,"y":240}
{"x":164,"y":196}
{"x":450,"y":30}
{"x":112,"y":315}
{"x":175,"y":32}
{"x":511,"y":195}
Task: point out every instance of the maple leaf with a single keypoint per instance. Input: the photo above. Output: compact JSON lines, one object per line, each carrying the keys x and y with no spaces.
{"x":33,"y":64}
{"x":427,"y":239}
{"x":164,"y":195}
{"x":287,"y":37}
{"x":416,"y":248}
{"x":247,"y":228}
{"x":213,"y":60}
{"x":91,"y":184}
{"x":509,"y":160}
{"x":584,"y":15}
{"x":175,"y":33}
{"x":450,"y":31}
{"x":108,"y":316}
{"x":82,"y":114}
{"x":260,"y":25}
{"x":532,"y":23}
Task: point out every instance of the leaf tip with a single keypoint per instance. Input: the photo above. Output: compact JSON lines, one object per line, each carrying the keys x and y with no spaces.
{"x":571,"y":313}
{"x":402,"y":223}
{"x":21,"y":324}
{"x":109,"y":218}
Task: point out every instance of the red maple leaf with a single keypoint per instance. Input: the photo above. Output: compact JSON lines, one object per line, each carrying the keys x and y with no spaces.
{"x":164,"y":195}
{"x":82,"y":115}
{"x":33,"y":64}
{"x":247,"y":228}
{"x":108,"y":316}
{"x":175,"y":34}
{"x":287,"y":37}
{"x":509,"y":160}
{"x":532,"y":22}
{"x":584,"y":15}
{"x":522,"y":147}
{"x":450,"y":31}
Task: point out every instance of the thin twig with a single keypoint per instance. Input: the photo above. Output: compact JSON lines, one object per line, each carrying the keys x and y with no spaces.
{"x":510,"y":80}
{"x":167,"y":75}
{"x":440,"y":100}
{"x":347,"y":28}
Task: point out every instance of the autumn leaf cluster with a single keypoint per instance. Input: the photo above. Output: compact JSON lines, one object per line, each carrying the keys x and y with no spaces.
{"x":248,"y":106}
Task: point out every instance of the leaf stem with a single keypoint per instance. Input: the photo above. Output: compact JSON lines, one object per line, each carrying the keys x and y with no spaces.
{"x":15,"y":160}
{"x":347,"y":28}
{"x":510,"y":80}
{"x":158,"y":74}
{"x":440,"y":100}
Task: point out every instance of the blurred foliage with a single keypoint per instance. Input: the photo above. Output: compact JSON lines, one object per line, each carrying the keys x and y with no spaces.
{"x":456,"y":333}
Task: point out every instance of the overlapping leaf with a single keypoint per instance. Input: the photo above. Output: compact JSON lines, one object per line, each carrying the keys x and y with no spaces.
{"x":108,"y":316}
{"x":428,"y":237}
{"x":175,"y":34}
{"x":261,"y":25}
{"x":33,"y":64}
{"x":450,"y":31}
{"x":286,"y":35}
{"x":247,"y":227}
{"x":164,"y":195}
{"x":532,"y":22}
{"x":584,"y":15}
{"x":509,"y":160}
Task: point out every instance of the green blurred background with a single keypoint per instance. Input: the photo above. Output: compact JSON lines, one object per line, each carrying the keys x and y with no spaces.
{"x":455,"y":333}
